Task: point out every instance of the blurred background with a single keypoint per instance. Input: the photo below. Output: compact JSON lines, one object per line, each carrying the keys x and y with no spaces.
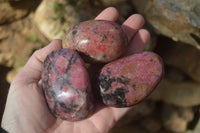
{"x":28,"y":25}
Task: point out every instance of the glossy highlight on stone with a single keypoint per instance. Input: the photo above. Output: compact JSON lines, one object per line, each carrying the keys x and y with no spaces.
{"x":127,"y":81}
{"x":66,"y":85}
{"x":97,"y":40}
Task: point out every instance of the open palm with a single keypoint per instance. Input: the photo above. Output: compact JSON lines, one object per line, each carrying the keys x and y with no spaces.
{"x":26,"y":109}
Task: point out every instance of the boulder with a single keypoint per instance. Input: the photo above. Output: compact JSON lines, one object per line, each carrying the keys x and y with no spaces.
{"x":181,"y":56}
{"x":18,"y":41}
{"x":183,"y":93}
{"x":50,"y":18}
{"x":176,"y":19}
{"x":173,"y":74}
{"x":10,"y":13}
{"x":186,"y":58}
{"x":176,"y":119}
{"x":54,"y":17}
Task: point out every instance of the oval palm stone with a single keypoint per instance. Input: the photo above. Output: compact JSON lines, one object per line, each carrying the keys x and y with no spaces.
{"x":129,"y":80}
{"x":66,"y":85}
{"x":97,"y":40}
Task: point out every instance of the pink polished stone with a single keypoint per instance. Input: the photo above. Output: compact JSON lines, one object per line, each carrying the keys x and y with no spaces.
{"x":97,"y":40}
{"x":129,"y":80}
{"x":66,"y":85}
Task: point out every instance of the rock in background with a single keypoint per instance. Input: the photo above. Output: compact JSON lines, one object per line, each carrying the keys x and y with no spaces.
{"x":176,"y":19}
{"x":54,"y":17}
{"x":174,"y":107}
{"x":19,"y":37}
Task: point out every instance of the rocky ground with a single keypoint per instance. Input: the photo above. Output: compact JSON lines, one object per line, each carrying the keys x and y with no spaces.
{"x":175,"y":29}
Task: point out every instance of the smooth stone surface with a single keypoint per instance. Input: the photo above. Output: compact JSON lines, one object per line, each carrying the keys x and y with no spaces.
{"x":66,"y":85}
{"x":129,"y":80}
{"x":98,"y":40}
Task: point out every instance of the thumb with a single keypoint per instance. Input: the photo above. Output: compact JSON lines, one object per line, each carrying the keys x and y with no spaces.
{"x":32,"y":69}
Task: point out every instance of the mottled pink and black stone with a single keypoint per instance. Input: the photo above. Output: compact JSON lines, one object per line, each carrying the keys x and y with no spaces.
{"x":129,"y":80}
{"x":97,"y":40}
{"x":66,"y":85}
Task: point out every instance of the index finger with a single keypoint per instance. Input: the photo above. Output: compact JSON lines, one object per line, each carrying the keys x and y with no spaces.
{"x":110,"y":14}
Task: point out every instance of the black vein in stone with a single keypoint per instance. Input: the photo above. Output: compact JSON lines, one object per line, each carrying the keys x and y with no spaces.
{"x":106,"y":81}
{"x":118,"y":96}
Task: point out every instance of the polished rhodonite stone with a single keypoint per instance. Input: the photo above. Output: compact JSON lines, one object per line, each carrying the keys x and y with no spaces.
{"x":66,"y":85}
{"x":97,"y":40}
{"x":129,"y":80}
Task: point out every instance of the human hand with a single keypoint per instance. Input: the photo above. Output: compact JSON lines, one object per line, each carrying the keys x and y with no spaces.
{"x":26,"y":109}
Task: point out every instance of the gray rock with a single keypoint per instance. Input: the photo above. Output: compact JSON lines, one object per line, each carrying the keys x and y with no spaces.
{"x":184,"y":94}
{"x":176,"y":19}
